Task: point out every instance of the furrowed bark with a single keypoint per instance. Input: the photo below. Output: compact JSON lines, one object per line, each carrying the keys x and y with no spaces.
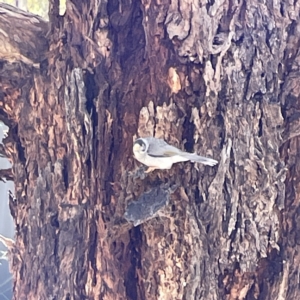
{"x":220,"y":79}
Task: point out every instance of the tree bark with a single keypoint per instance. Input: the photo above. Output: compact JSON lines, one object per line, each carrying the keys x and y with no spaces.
{"x":219,"y":78}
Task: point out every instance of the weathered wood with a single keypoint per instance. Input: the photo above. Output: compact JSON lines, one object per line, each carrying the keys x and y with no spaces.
{"x":6,"y":174}
{"x":218,"y":78}
{"x":22,"y":36}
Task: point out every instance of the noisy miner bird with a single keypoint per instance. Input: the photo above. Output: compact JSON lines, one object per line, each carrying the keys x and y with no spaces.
{"x":157,"y":154}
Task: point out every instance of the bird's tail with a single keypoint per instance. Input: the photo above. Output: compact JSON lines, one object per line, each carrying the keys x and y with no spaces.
{"x":201,"y":159}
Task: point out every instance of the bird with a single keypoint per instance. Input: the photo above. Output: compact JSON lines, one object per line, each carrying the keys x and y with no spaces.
{"x":158,"y":154}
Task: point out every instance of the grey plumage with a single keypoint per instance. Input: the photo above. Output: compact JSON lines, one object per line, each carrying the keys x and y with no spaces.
{"x":157,"y":154}
{"x":159,"y":148}
{"x":201,"y":159}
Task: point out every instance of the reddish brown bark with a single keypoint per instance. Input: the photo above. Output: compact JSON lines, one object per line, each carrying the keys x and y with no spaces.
{"x":218,"y":78}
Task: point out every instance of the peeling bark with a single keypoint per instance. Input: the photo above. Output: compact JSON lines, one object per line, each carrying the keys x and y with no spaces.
{"x":218,"y":78}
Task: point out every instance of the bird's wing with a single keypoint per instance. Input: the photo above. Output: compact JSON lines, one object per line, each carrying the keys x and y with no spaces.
{"x":159,"y":148}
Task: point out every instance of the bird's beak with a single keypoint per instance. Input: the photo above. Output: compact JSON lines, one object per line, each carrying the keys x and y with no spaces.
{"x":136,"y":147}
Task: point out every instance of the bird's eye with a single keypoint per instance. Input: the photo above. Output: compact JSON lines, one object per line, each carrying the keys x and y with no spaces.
{"x":139,"y":146}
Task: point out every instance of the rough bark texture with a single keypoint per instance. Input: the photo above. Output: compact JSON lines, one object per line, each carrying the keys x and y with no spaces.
{"x":219,"y":78}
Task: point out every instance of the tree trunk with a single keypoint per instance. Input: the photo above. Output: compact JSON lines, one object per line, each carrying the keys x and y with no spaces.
{"x":219,"y":78}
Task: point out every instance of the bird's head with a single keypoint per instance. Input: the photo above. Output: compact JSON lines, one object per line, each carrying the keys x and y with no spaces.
{"x":140,"y":146}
